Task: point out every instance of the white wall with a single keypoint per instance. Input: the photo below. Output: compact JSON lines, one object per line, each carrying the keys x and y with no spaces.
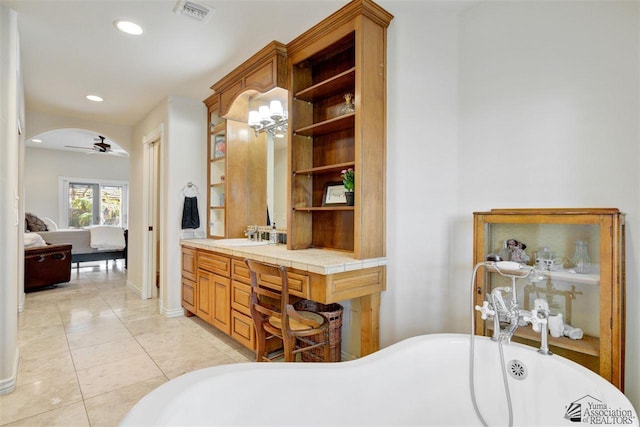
{"x":185,"y":160}
{"x":11,"y":111}
{"x":182,"y":160}
{"x":511,"y":104}
{"x":156,"y":119}
{"x":43,"y":168}
{"x":422,"y":57}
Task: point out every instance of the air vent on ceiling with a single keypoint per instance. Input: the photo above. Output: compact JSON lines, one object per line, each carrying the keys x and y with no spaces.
{"x":195,"y":10}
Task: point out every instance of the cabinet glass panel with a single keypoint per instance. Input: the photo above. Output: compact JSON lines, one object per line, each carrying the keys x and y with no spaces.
{"x":551,"y":248}
{"x":217,"y":196}
{"x":216,"y":222}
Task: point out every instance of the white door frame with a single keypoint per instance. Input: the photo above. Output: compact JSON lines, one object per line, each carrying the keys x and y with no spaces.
{"x":150,"y":216}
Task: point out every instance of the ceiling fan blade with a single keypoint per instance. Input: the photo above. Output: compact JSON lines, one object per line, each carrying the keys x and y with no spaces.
{"x":81,"y":148}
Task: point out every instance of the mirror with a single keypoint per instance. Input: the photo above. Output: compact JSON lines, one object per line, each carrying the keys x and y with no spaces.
{"x":266,"y":160}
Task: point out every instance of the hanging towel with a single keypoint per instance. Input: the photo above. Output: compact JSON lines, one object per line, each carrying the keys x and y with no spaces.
{"x":190,"y":216}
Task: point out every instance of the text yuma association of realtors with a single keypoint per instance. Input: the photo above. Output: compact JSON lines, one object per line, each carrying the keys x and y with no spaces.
{"x":598,"y":413}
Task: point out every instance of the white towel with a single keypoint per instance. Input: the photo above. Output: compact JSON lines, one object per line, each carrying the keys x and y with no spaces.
{"x":33,"y":240}
{"x":107,"y":237}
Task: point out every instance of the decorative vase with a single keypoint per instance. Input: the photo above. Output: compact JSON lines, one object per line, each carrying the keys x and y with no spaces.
{"x":350,"y":197}
{"x":348,"y":106}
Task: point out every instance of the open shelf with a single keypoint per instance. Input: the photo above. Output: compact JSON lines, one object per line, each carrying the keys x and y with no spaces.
{"x":335,"y":124}
{"x":325,"y":169}
{"x":342,"y":82}
{"x":323,"y":208}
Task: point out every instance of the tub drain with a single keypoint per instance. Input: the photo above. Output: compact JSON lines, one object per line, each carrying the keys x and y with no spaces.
{"x":517,"y":370}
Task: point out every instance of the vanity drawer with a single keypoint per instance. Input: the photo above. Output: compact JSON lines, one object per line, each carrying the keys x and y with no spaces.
{"x":214,"y":263}
{"x":240,"y":271}
{"x":189,"y":263}
{"x":298,"y":283}
{"x":241,"y":297}
{"x":242,"y":329}
{"x":189,"y":295}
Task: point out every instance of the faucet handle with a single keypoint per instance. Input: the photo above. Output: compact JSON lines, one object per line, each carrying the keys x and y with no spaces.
{"x":485,"y":310}
{"x":536,"y":322}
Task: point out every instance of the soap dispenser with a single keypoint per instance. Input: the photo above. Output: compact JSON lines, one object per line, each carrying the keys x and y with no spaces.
{"x":273,"y":234}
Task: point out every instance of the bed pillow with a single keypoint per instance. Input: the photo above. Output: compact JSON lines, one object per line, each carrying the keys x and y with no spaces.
{"x":34,"y":223}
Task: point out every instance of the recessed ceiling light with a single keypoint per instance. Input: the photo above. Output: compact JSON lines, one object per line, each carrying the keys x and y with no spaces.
{"x":94,"y":98}
{"x":37,"y":141}
{"x":128,"y":27}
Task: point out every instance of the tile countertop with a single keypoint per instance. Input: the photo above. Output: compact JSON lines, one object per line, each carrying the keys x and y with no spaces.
{"x":319,"y":261}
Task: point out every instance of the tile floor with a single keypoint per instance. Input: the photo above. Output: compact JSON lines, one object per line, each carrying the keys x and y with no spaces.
{"x":90,"y":349}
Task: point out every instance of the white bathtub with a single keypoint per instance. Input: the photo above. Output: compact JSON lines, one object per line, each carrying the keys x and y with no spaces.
{"x":419,"y":381}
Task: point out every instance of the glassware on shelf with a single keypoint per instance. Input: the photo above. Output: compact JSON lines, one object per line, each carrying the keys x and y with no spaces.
{"x":545,"y":258}
{"x":580,"y":259}
{"x":348,"y":106}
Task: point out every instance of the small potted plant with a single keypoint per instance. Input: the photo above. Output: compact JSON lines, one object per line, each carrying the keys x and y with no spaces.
{"x":348,"y":179}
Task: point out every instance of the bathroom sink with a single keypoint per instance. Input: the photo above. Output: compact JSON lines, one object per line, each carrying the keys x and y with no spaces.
{"x":240,"y":242}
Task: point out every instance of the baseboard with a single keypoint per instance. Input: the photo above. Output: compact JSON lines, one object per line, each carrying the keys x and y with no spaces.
{"x":7,"y":385}
{"x":176,"y":312}
{"x":133,"y":288}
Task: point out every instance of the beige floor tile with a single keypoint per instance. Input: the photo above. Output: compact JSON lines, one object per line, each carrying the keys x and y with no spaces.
{"x":39,"y":332}
{"x":100,"y":354}
{"x":35,"y":317}
{"x":81,"y":320}
{"x":153,"y":323}
{"x":180,"y":362}
{"x":98,"y":335}
{"x":47,"y":346}
{"x":110,"y":376}
{"x":73,"y":415}
{"x":39,"y":397}
{"x":165,"y":340}
{"x":31,"y":370}
{"x":108,"y":409}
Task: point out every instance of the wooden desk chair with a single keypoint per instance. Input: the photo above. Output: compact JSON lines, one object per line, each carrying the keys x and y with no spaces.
{"x":275,"y":318}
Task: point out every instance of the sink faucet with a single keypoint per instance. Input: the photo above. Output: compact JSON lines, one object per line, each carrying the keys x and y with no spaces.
{"x":252,"y":232}
{"x":509,"y":313}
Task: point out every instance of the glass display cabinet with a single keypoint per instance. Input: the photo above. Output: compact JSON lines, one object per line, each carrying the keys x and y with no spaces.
{"x":579,"y":260}
{"x":217,"y":170}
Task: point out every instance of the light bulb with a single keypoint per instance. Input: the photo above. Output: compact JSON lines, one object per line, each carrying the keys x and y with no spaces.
{"x":254,"y":118}
{"x":276,"y":110}
{"x":264,"y":115}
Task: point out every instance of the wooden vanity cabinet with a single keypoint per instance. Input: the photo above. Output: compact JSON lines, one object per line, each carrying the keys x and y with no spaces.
{"x":592,"y":300}
{"x":213,"y":289}
{"x":344,"y":54}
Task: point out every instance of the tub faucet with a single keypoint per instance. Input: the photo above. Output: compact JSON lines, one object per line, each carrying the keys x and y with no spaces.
{"x":508,"y":313}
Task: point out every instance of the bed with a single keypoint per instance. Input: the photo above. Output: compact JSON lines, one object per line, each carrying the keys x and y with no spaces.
{"x":100,"y":243}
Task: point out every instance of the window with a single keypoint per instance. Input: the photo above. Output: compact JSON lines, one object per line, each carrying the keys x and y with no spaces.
{"x":86,"y":202}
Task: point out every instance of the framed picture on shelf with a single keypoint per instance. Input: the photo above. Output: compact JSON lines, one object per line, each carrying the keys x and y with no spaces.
{"x":220,"y":146}
{"x":334,"y":194}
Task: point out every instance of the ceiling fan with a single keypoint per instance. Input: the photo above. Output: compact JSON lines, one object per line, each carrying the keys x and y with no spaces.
{"x":99,"y":146}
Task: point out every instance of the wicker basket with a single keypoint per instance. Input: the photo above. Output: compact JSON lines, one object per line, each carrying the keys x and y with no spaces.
{"x":333,"y":312}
